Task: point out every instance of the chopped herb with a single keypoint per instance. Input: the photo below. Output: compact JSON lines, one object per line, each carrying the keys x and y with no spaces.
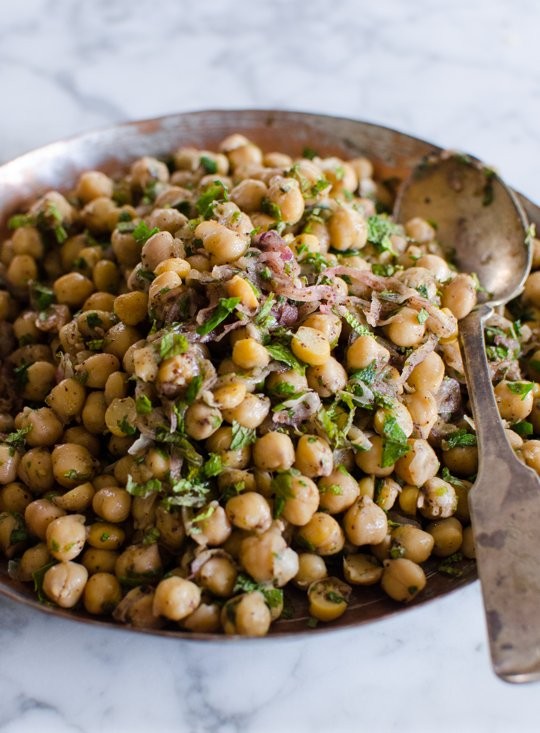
{"x":214,"y":194}
{"x":281,"y":487}
{"x":17,"y":439}
{"x":95,"y":344}
{"x":241,"y":436}
{"x":20,"y":374}
{"x":209,"y":164}
{"x":205,"y":514}
{"x":143,"y":405}
{"x":188,"y":492}
{"x":151,"y":486}
{"x":321,"y":185}
{"x":284,"y":389}
{"x":41,"y":296}
{"x":213,"y":466}
{"x":172,"y":344}
{"x":423,"y":315}
{"x":72,"y":474}
{"x":125,"y":426}
{"x":93,"y":320}
{"x":523,"y":428}
{"x":366,"y":374}
{"x":496,"y":353}
{"x":20,"y":220}
{"x":151,"y":536}
{"x":334,"y":489}
{"x":521,"y":388}
{"x":353,"y":322}
{"x":447,"y":476}
{"x":272,"y":596}
{"x":309,"y":153}
{"x":224,"y":308}
{"x":271,"y":209}
{"x":51,"y":218}
{"x":282,"y":353}
{"x":395,"y":442}
{"x":334,"y":597}
{"x":37,"y":577}
{"x":142,"y":232}
{"x":450,"y":565}
{"x":264,"y":318}
{"x":397,"y":551}
{"x":422,"y":289}
{"x":459,"y":438}
{"x":182,"y":443}
{"x":312,"y":622}
{"x":193,"y":389}
{"x":383,"y":270}
{"x":380,"y":228}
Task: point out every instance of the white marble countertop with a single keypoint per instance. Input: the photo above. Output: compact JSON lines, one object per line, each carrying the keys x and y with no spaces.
{"x":465,"y":74}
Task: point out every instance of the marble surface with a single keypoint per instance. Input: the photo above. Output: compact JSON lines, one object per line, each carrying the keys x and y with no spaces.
{"x":465,"y":74}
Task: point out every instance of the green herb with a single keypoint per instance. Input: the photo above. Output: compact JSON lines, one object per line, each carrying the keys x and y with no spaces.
{"x":209,"y":164}
{"x":321,"y":185}
{"x":20,"y":374}
{"x":395,"y":442}
{"x":182,"y":443}
{"x":496,"y":353}
{"x":41,"y":295}
{"x":521,"y":388}
{"x":312,"y":622}
{"x":353,"y":322}
{"x":334,"y":597}
{"x":272,"y":596}
{"x":284,"y":389}
{"x":264,"y":318}
{"x":366,"y":374}
{"x":282,"y":353}
{"x":380,"y":228}
{"x":523,"y":428}
{"x":422,"y":316}
{"x":339,"y":173}
{"x":193,"y":389}
{"x":51,"y":218}
{"x":447,"y":476}
{"x":309,"y":153}
{"x":397,"y":551}
{"x":93,"y":320}
{"x":151,"y":536}
{"x":72,"y":474}
{"x":535,"y":364}
{"x":189,"y":492}
{"x":383,"y":270}
{"x":20,"y":220}
{"x":241,"y":436}
{"x":19,"y":532}
{"x":214,"y":194}
{"x":334,"y":489}
{"x":459,"y":438}
{"x":95,"y":344}
{"x":281,"y":487}
{"x":172,"y":344}
{"x":17,"y":439}
{"x":125,"y":426}
{"x":143,"y":405}
{"x":213,"y":466}
{"x":205,"y":514}
{"x":152,"y":486}
{"x":422,"y":289}
{"x":271,"y":209}
{"x":37,"y":577}
{"x":224,"y":308}
{"x":450,"y":565}
{"x":142,"y":232}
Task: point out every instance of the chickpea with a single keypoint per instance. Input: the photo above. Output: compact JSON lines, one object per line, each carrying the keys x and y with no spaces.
{"x":249,"y":511}
{"x":461,"y":460}
{"x":102,"y":593}
{"x":301,"y":500}
{"x":72,"y":464}
{"x":428,"y":375}
{"x":364,"y":351}
{"x":365,"y":523}
{"x":328,"y":598}
{"x":405,"y":328}
{"x":267,"y":558}
{"x":21,"y":271}
{"x":80,"y":435}
{"x":138,"y":563}
{"x":467,"y":546}
{"x":310,"y":346}
{"x":347,"y":229}
{"x":282,"y":384}
{"x":39,"y":514}
{"x":44,"y":427}
{"x":14,"y":497}
{"x":249,"y":354}
{"x":239,"y":287}
{"x":531,"y":293}
{"x":229,"y":393}
{"x":202,"y":421}
{"x":328,"y":378}
{"x":206,"y":619}
{"x":99,"y":561}
{"x":112,"y":504}
{"x":402,"y":579}
{"x":339,"y":490}
{"x":361,"y":569}
{"x":249,"y":194}
{"x":222,"y":244}
{"x":531,"y":454}
{"x":322,"y":534}
{"x":274,"y":452}
{"x":215,"y":529}
{"x":311,"y":567}
{"x":119,"y":338}
{"x":447,"y":536}
{"x":514,"y":399}
{"x":314,"y":456}
{"x":92,"y":185}
{"x":247,"y":615}
{"x":418,"y":465}
{"x":175,"y":598}
{"x":437,"y":499}
{"x":28,"y":241}
{"x":120,"y":416}
{"x":97,"y":369}
{"x":41,"y":377}
{"x":328,"y":324}
{"x":370,"y":461}
{"x":218,"y":575}
{"x":32,"y":560}
{"x":413,"y":542}
{"x":64,"y":583}
{"x":286,"y":195}
{"x":78,"y":499}
{"x":9,"y":463}
{"x":67,"y":399}
{"x":423,"y":410}
{"x":220,"y":442}
{"x":459,"y":295}
{"x":13,"y":535}
{"x":420,"y":230}
{"x":105,"y":536}
{"x":399,"y":413}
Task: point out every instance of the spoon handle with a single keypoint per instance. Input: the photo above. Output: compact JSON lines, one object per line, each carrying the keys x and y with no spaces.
{"x":505,"y":514}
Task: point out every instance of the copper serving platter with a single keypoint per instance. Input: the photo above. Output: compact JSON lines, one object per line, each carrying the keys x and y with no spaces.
{"x":57,"y":166}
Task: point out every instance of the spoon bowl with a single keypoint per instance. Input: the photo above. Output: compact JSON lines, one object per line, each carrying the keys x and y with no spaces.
{"x":483,"y":228}
{"x":478,"y":219}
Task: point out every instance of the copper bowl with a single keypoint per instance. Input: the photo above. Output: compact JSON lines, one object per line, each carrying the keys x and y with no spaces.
{"x":57,"y":166}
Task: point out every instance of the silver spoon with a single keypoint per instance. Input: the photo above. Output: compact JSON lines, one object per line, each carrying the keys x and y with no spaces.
{"x":480,"y":219}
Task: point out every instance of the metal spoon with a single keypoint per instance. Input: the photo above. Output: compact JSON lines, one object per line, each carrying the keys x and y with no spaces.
{"x":481,"y":221}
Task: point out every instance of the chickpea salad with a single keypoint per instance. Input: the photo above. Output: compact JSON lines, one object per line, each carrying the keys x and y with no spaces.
{"x":229,"y":373}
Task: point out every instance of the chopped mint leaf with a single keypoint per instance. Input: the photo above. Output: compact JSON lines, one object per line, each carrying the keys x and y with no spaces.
{"x":224,"y":308}
{"x":214,"y":194}
{"x":241,"y":436}
{"x":209,"y":164}
{"x":143,"y":405}
{"x":521,"y":388}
